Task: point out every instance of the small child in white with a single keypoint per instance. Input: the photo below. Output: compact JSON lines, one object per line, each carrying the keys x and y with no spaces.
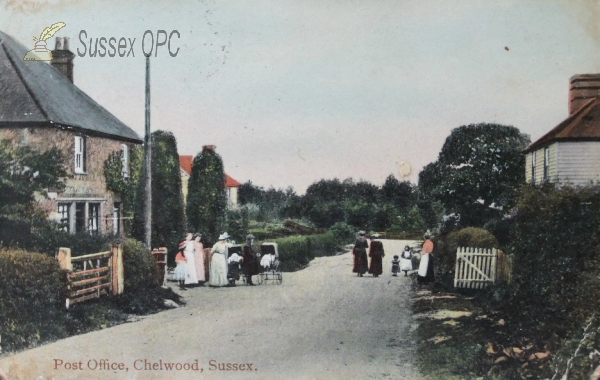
{"x":395,"y":266}
{"x":406,"y":260}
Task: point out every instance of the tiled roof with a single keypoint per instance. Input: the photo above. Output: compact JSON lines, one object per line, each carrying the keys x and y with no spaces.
{"x":33,"y":93}
{"x":583,"y":125}
{"x":185,"y":162}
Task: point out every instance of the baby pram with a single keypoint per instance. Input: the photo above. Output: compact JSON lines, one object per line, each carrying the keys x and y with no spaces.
{"x":233,"y":263}
{"x":269,"y":264}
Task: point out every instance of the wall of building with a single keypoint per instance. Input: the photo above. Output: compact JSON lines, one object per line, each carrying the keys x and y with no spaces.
{"x":88,"y":187}
{"x":579,"y":162}
{"x":539,"y":165}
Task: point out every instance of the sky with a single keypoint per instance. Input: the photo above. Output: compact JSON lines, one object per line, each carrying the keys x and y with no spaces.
{"x":291,"y":92}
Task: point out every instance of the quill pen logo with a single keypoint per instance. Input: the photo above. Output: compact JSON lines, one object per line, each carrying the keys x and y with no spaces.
{"x":40,"y":52}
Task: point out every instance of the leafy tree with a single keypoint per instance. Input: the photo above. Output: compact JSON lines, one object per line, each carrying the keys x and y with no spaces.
{"x":399,"y":194}
{"x":206,"y":201}
{"x":168,"y":218}
{"x":477,"y":171}
{"x":23,"y":174}
{"x":359,"y":214}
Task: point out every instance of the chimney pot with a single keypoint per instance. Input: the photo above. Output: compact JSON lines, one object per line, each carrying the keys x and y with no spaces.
{"x":58,"y":45}
{"x":66,"y":43}
{"x":209,"y":147}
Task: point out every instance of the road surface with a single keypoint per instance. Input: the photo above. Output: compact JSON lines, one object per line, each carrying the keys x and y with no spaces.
{"x":322,"y":322}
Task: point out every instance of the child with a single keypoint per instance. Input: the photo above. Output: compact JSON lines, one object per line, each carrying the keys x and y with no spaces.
{"x":395,"y":266}
{"x":234,"y":268}
{"x":406,"y":260}
{"x":181,"y":268}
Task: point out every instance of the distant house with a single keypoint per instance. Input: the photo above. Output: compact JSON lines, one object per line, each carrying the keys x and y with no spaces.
{"x":40,"y":107}
{"x":231,"y":185}
{"x":570,"y":153}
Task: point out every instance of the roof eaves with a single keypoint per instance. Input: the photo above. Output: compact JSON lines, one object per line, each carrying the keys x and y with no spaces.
{"x":566,"y":124}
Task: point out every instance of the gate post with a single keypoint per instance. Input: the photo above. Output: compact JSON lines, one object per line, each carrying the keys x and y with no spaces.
{"x":117,"y":270}
{"x":64,"y":258}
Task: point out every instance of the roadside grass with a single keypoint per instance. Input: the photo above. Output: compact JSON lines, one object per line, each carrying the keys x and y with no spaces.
{"x":483,"y":345}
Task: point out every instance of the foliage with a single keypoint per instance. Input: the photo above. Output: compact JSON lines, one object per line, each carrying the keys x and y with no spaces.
{"x":343,"y":233}
{"x":29,"y":283}
{"x":168,"y":218}
{"x":478,"y":167}
{"x":236,"y":223}
{"x":126,"y":187}
{"x":206,"y":200}
{"x":295,"y":252}
{"x":23,"y":173}
{"x":411,"y":221}
{"x":445,"y":247}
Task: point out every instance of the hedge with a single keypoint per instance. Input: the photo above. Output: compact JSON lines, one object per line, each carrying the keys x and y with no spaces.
{"x":295,"y":252}
{"x":32,"y":296}
{"x":445,"y":246}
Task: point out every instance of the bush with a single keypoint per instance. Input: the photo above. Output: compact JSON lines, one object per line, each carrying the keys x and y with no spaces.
{"x":343,"y":233}
{"x":32,"y":296}
{"x":446,"y":246}
{"x":295,"y":252}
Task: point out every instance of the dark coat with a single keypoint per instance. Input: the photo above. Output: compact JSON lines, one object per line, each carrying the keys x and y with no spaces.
{"x":250,"y":263}
{"x":361,"y":262}
{"x":376,"y":254}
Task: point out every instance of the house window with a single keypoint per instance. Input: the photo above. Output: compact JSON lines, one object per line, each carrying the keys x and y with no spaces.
{"x":63,"y":213}
{"x":93,"y":218}
{"x":546,"y":164}
{"x":80,"y":154}
{"x":117,"y":219}
{"x":533,"y":159}
{"x":79,"y":216}
{"x":125,"y":160}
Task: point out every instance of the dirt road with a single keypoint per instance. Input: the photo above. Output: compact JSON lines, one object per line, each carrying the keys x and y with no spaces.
{"x":322,"y":322}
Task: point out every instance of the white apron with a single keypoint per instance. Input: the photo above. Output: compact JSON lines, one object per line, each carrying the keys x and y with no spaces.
{"x":405,"y":264}
{"x":191,"y":277}
{"x":423,"y":265}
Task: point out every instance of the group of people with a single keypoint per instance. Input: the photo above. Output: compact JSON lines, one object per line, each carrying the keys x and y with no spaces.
{"x":223,"y":269}
{"x":376,"y":253}
{"x":425,"y":274}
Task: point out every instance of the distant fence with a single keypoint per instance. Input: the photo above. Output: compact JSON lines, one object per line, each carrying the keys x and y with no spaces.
{"x":401,"y":235}
{"x":476,"y":268}
{"x":94,"y":275}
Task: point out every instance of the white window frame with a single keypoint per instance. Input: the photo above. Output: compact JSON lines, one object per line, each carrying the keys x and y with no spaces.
{"x":117,"y":219}
{"x":64,"y":211}
{"x":80,"y":150}
{"x":93,"y":218}
{"x":125,"y":160}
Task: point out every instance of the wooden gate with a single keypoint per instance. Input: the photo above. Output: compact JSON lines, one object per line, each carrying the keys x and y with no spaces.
{"x":91,"y":276}
{"x":475,"y":267}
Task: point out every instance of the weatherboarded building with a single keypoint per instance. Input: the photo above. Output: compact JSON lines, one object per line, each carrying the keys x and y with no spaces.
{"x":570,"y":153}
{"x":40,"y":107}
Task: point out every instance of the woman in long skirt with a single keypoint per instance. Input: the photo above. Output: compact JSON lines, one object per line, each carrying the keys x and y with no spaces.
{"x":191,"y":277}
{"x":218,"y":263}
{"x":376,"y":254}
{"x":361,"y":264}
{"x":426,"y":274}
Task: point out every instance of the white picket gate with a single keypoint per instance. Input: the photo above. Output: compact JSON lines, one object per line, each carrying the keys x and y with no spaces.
{"x":475,"y":267}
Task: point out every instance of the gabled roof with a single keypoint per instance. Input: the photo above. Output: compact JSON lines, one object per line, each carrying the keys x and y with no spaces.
{"x":185,"y":162}
{"x":33,"y":93}
{"x":583,"y":125}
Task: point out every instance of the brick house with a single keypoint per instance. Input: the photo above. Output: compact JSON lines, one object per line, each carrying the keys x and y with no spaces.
{"x":41,"y":107}
{"x":231,"y":185}
{"x":570,"y":152}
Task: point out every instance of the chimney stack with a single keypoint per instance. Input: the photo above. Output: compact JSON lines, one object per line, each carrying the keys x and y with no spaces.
{"x":62,"y":57}
{"x":582,"y":88}
{"x":209,"y":147}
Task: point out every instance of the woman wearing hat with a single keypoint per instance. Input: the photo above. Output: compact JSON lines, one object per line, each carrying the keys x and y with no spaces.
{"x":376,"y":254}
{"x":249,"y":260}
{"x":191,"y":276}
{"x":218,"y":262}
{"x":361,"y":263}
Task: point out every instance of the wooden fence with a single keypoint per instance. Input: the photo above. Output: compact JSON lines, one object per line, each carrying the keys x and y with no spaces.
{"x":476,"y":268}
{"x":401,"y":235}
{"x":94,"y":275}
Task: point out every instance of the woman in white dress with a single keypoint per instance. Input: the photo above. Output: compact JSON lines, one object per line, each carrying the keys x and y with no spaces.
{"x":218,"y":262}
{"x":191,"y":277}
